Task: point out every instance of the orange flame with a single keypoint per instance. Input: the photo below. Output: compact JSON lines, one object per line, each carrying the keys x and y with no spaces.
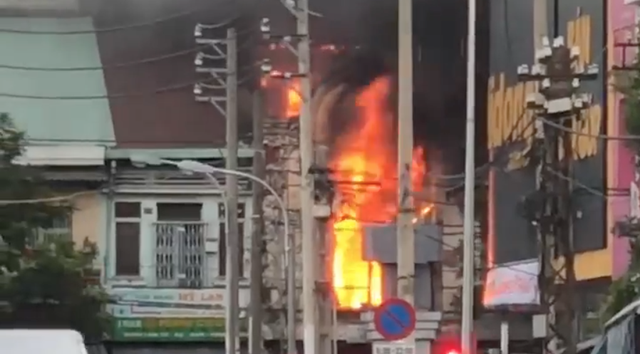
{"x":365,"y":159}
{"x":294,"y":99}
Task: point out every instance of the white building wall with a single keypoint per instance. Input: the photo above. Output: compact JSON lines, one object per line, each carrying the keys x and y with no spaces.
{"x":209,"y":215}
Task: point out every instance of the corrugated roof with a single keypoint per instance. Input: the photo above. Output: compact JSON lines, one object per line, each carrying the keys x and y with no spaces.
{"x":54,"y":120}
{"x":172,"y":118}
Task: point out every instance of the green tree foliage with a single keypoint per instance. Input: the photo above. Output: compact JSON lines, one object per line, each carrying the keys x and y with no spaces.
{"x":628,"y":83}
{"x":42,"y":284}
{"x":626,"y":289}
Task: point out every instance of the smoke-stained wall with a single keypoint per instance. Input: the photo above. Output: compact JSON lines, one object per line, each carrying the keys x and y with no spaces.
{"x":510,"y":126}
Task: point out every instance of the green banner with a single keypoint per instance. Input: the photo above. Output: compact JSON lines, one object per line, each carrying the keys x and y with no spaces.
{"x":169,"y":329}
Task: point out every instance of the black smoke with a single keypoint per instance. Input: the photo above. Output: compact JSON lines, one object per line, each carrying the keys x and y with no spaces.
{"x":439,"y":29}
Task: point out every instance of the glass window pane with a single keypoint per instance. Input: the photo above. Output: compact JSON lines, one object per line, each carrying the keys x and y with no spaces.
{"x":128,"y":210}
{"x":127,"y":248}
{"x":179,"y":211}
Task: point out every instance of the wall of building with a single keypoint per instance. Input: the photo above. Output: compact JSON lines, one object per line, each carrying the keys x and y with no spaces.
{"x":622,"y":19}
{"x":511,"y":236}
{"x":148,"y":219}
{"x":88,"y":219}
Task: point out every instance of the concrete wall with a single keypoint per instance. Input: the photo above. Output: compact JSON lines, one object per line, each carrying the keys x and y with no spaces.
{"x":87,"y":219}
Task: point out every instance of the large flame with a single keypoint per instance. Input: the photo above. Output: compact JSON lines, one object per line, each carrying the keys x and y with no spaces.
{"x":365,"y":164}
{"x":294,"y":99}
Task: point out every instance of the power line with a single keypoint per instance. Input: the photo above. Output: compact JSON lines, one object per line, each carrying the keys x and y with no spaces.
{"x":597,"y":136}
{"x":78,"y":194}
{"x":109,"y":66}
{"x":245,"y":44}
{"x":495,"y":161}
{"x":125,"y":94}
{"x":122,"y":28}
{"x":45,"y":200}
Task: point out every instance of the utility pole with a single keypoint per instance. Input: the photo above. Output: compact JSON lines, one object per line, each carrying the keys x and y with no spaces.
{"x":300,"y":10}
{"x":557,"y":102}
{"x":309,"y":315}
{"x":405,"y":232}
{"x":468,"y":264}
{"x":226,"y":79}
{"x":256,"y":282}
{"x":233,"y":238}
{"x":322,"y":211}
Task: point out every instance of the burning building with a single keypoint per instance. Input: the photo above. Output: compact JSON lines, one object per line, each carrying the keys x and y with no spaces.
{"x":363,"y":161}
{"x":354,"y":114}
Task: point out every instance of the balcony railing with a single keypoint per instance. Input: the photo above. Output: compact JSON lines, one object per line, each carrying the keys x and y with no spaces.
{"x":180,"y":256}
{"x":51,"y":235}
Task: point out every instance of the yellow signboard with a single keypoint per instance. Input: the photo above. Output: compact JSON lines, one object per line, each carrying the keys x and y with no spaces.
{"x":509,"y":121}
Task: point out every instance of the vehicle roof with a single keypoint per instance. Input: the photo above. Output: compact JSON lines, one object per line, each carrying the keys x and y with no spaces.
{"x":51,"y":341}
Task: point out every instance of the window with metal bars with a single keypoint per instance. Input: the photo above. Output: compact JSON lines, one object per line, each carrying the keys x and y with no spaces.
{"x":179,"y":245}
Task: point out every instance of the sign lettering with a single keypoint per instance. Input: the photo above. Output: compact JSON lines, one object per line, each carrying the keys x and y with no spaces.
{"x":579,"y":35}
{"x":587,"y":126}
{"x":509,"y":121}
{"x":192,"y":296}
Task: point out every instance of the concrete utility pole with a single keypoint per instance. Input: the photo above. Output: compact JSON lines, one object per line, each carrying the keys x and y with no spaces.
{"x":405,"y":231}
{"x":226,"y":78}
{"x":309,"y":316}
{"x":322,"y":211}
{"x":468,"y":266}
{"x":557,"y":102}
{"x":303,"y":51}
{"x":541,"y":31}
{"x":255,"y":339}
{"x":233,"y":245}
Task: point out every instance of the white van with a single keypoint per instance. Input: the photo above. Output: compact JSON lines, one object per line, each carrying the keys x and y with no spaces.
{"x":41,"y":341}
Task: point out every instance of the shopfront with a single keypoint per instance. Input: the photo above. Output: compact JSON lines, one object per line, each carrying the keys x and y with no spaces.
{"x":168,"y":321}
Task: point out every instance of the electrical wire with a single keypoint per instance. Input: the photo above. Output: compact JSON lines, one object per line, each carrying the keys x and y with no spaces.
{"x":78,"y":194}
{"x":108,"y":66}
{"x":190,"y":143}
{"x":125,"y":27}
{"x":596,"y":136}
{"x":591,"y":190}
{"x":46,"y":200}
{"x":495,"y":161}
{"x":126,"y":94}
{"x":171,"y":55}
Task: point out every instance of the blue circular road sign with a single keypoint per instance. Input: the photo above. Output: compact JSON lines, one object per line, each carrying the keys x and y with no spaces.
{"x":395,"y":319}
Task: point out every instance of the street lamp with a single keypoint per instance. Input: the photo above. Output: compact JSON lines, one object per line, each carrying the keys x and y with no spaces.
{"x":191,"y":166}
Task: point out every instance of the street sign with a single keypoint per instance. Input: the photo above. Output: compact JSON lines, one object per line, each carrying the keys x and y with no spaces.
{"x":393,"y":348}
{"x":395,"y":319}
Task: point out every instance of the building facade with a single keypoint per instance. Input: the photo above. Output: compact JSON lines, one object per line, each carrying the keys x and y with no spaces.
{"x":599,"y":165}
{"x":623,"y":30}
{"x":160,"y":233}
